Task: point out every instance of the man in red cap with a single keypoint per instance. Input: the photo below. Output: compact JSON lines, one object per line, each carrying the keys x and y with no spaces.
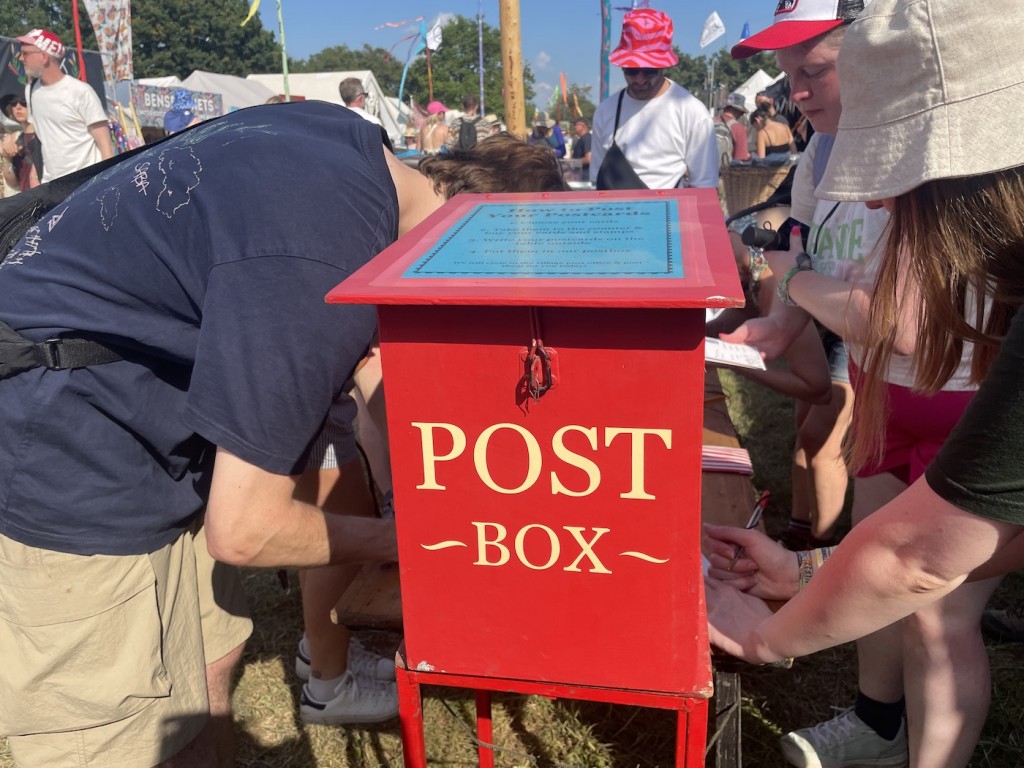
{"x":654,"y":133}
{"x":67,"y":114}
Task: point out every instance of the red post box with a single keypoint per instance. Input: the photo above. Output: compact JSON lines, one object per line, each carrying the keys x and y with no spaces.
{"x":544,"y":370}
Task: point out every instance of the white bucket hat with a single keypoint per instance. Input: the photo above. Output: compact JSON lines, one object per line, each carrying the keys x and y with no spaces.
{"x":932,"y":89}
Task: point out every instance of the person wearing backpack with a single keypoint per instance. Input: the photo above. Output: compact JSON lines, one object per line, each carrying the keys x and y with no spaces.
{"x":467,"y":130}
{"x":135,"y":480}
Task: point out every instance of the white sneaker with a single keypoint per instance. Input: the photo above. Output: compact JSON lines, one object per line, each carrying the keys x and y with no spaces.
{"x":845,"y":741}
{"x":363,"y":663}
{"x":354,"y":703}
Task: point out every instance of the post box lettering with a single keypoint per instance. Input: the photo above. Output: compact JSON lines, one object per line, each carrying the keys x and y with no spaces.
{"x":532,"y":451}
{"x":430,"y":458}
{"x":542,"y":552}
{"x":575,"y":460}
{"x":637,"y":454}
{"x":535,"y":457}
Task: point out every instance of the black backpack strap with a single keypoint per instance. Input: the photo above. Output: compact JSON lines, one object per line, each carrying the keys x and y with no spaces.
{"x":18,"y":354}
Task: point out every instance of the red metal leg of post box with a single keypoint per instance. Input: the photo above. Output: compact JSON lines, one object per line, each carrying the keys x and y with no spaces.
{"x":484,"y":729}
{"x":410,"y":714}
{"x":691,"y":724}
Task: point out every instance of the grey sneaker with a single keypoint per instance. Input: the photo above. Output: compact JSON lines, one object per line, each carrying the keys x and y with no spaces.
{"x":844,"y":742}
{"x":363,"y":663}
{"x":355,"y":702}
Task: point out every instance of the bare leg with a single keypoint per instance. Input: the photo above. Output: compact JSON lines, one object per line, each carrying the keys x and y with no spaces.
{"x":946,"y":674}
{"x":820,"y":477}
{"x":215,"y":744}
{"x":879,"y":655}
{"x":338,"y":491}
{"x":372,"y":422}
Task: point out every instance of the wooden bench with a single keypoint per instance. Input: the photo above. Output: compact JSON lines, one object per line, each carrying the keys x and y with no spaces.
{"x":374,"y":599}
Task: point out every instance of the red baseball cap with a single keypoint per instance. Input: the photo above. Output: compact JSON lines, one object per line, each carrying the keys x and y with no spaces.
{"x":646,"y":40}
{"x":797,"y":21}
{"x":45,"y":41}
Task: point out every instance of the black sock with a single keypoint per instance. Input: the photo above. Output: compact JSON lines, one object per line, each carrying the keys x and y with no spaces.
{"x":884,"y":719}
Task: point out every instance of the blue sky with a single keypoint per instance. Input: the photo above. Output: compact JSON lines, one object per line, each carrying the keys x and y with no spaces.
{"x":556,"y":36}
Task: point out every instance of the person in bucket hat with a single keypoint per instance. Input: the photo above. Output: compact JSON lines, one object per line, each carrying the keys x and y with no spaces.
{"x":872,"y":732}
{"x":913,"y":85}
{"x":67,"y":113}
{"x":653,"y":133}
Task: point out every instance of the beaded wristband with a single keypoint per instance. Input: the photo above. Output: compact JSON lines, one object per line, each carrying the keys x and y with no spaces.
{"x":809,"y":562}
{"x":805,"y":567}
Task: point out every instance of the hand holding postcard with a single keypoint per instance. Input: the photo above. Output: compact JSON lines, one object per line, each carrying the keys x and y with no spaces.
{"x":721,"y":352}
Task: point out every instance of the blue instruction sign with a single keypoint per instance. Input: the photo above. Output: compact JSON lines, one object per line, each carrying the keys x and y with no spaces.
{"x":548,"y":239}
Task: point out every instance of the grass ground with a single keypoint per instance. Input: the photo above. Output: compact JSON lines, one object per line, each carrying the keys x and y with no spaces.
{"x":533,"y":731}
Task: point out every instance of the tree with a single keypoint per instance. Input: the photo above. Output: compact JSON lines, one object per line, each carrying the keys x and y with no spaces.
{"x":340,"y":58}
{"x":456,"y":72}
{"x":168,"y":38}
{"x":175,"y":38}
{"x":562,"y":113}
{"x":692,"y":71}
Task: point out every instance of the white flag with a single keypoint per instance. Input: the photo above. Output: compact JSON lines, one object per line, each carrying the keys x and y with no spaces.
{"x":434,"y":36}
{"x":713,"y":29}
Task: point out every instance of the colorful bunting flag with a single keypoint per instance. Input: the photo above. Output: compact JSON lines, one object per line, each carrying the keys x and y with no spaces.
{"x":434,"y":36}
{"x":252,"y":12}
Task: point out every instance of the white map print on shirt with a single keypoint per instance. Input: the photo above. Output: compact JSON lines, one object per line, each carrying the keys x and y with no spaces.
{"x":30,"y":247}
{"x":175,"y":196}
{"x":55,"y":219}
{"x":108,"y":200}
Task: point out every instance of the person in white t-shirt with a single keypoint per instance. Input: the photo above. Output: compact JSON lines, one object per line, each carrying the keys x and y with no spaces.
{"x":653,"y":126}
{"x":354,"y":96}
{"x":67,"y":113}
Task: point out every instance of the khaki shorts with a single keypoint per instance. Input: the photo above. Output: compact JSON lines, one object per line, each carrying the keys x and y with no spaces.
{"x":104,"y":656}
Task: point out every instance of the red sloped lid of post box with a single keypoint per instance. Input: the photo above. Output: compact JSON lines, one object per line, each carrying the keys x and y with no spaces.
{"x":649,"y":248}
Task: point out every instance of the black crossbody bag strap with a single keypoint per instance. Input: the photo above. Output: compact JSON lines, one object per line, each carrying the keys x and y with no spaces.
{"x":615,"y":171}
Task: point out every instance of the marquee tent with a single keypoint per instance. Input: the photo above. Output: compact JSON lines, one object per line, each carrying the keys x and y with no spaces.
{"x":237,"y":92}
{"x":323,"y":86}
{"x":754,"y":84}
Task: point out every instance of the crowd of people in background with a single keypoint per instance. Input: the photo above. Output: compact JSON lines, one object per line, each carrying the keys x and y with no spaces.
{"x":54,"y":127}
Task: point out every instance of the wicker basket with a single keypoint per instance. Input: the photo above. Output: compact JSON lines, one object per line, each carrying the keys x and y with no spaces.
{"x":747,"y":185}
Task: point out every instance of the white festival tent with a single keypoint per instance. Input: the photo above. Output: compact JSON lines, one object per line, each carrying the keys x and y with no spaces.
{"x":754,"y":84}
{"x":324,"y":87}
{"x":237,"y":92}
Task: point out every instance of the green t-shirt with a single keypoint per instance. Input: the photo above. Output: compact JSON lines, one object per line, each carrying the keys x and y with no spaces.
{"x":980,"y":469}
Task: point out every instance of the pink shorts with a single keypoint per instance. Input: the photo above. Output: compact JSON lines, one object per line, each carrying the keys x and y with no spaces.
{"x":917,"y":427}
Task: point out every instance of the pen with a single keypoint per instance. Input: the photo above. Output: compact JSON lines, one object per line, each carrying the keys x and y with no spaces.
{"x":755,"y":518}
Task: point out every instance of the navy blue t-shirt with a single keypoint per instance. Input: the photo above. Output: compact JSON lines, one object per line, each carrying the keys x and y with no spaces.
{"x":209,"y":256}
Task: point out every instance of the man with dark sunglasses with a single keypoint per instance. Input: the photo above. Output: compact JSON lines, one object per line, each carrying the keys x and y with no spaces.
{"x":654,"y":133}
{"x":354,"y":96}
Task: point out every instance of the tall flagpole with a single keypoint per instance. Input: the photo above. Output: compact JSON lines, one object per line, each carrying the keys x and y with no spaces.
{"x":284,"y":55}
{"x":480,"y":49}
{"x":606,"y":47}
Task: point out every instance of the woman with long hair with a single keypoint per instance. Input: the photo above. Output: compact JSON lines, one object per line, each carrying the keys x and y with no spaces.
{"x":956,"y":196}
